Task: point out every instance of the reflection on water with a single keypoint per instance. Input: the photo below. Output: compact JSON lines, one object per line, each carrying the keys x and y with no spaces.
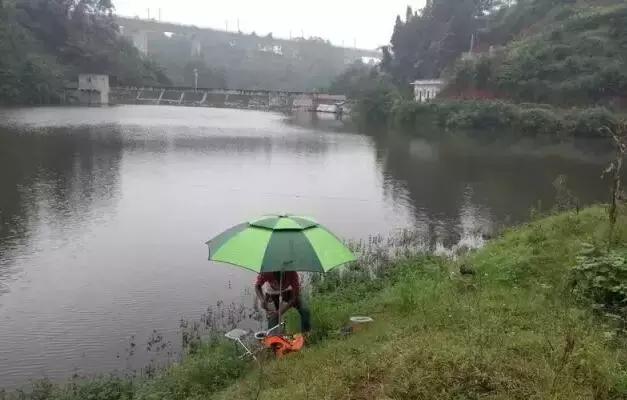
{"x":104,"y":212}
{"x":460,"y":187}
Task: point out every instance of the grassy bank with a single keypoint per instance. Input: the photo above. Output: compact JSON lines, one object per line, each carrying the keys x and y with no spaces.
{"x":515,"y":328}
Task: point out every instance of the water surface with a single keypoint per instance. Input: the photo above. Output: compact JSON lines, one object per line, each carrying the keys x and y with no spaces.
{"x":104,"y":212}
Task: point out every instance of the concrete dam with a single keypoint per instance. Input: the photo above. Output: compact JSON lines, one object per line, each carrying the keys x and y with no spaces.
{"x":229,"y":98}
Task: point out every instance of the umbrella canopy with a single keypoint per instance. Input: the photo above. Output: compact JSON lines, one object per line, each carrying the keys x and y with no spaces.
{"x":280,"y":243}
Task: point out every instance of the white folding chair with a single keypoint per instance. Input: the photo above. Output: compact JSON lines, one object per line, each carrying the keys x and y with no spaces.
{"x":236,"y":335}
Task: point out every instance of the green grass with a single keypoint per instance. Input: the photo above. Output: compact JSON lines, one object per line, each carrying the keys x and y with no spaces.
{"x":513,"y":330}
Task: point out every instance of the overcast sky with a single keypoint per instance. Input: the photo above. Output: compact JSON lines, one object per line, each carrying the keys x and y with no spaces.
{"x":368,"y":22}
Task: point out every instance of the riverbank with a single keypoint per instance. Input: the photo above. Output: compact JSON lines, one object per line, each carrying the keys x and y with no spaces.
{"x":512,"y":327}
{"x":526,"y":119}
{"x":521,"y":120}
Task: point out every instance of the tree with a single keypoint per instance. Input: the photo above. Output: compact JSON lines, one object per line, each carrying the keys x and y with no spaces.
{"x":352,"y":80}
{"x":25,"y":75}
{"x":430,"y":40}
{"x":83,"y":36}
{"x":614,"y":170}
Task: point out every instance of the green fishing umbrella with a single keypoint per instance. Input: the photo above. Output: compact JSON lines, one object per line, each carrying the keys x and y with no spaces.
{"x":278,"y":243}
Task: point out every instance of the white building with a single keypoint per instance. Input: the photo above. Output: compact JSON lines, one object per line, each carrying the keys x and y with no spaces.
{"x":93,"y":89}
{"x":425,"y":90}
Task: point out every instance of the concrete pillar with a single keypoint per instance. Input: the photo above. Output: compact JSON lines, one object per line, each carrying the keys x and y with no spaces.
{"x":140,"y":41}
{"x":196,"y":47}
{"x":314,"y":102}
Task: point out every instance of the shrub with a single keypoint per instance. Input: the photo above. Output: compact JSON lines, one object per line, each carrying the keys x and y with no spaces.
{"x":408,"y":113}
{"x":482,"y":114}
{"x":105,"y":388}
{"x":588,"y":122}
{"x":538,"y":120}
{"x":525,"y":118}
{"x":484,"y":72}
{"x":463,"y":75}
{"x":602,"y":278}
{"x":374,"y":105}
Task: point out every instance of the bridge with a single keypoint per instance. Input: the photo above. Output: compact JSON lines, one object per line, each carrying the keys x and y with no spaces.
{"x":139,"y":32}
{"x":228,"y":98}
{"x":237,"y":60}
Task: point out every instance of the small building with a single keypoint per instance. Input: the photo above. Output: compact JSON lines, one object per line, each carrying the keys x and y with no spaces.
{"x":425,"y":90}
{"x":93,"y":89}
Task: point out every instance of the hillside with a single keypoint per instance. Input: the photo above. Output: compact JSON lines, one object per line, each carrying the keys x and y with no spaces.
{"x":550,"y":67}
{"x":240,"y":60}
{"x":46,"y":43}
{"x":569,"y":53}
{"x":520,"y":324}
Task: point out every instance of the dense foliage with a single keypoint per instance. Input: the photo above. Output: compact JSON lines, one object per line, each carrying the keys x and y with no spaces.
{"x":561,"y":52}
{"x":429,"y":40}
{"x":573,"y":54}
{"x":46,"y":43}
{"x":601,"y":277}
{"x":533,"y":55}
{"x":525,"y":118}
{"x":373,"y":92}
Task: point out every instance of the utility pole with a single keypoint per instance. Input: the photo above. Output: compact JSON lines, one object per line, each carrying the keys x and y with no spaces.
{"x":226,"y":25}
{"x":148,"y":10}
{"x":238,"y":30}
{"x":195,"y":79}
{"x":159,"y":14}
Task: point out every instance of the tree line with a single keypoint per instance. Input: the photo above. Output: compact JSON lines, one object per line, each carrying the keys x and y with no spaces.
{"x":423,"y":44}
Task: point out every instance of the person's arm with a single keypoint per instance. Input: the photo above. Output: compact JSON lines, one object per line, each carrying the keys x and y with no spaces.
{"x":295,"y":284}
{"x":258,"y":290}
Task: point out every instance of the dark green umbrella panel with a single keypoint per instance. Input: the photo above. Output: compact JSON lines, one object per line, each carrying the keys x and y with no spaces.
{"x":280,"y":243}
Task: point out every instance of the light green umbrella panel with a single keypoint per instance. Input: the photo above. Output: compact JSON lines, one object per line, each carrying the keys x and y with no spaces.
{"x":280,"y":243}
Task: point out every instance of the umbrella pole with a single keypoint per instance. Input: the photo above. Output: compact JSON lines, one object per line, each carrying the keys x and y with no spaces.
{"x":280,"y":296}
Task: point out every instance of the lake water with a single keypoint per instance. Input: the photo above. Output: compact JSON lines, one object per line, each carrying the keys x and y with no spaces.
{"x":104,"y":213}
